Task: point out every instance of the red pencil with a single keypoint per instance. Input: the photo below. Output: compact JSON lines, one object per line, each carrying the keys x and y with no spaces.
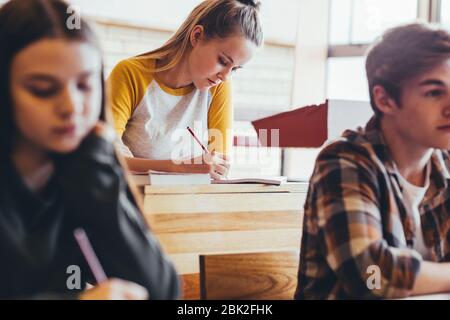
{"x":196,"y":139}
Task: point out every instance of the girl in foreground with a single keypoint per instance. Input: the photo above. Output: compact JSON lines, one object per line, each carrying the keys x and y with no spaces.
{"x":58,"y":169}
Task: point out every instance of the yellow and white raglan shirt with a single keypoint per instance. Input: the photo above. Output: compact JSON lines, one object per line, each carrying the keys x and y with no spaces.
{"x":152,"y":119}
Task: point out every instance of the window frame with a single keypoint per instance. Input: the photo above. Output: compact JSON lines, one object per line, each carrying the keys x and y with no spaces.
{"x":427,"y":10}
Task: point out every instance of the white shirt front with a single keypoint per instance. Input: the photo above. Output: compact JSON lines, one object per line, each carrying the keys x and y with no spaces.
{"x":412,"y":197}
{"x":157,"y":128}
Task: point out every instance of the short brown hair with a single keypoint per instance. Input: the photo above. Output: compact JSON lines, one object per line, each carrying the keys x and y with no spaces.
{"x":403,"y":53}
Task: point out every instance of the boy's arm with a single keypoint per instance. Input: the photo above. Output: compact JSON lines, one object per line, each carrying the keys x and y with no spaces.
{"x":433,"y":277}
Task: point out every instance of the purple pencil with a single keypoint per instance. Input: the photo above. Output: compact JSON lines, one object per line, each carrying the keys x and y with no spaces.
{"x":89,"y":255}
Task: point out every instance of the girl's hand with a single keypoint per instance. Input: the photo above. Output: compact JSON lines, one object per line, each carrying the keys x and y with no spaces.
{"x":216,"y":164}
{"x":219,"y":165}
{"x":115,"y":289}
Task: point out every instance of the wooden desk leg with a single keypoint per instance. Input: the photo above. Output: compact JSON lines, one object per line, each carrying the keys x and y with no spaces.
{"x":190,"y":286}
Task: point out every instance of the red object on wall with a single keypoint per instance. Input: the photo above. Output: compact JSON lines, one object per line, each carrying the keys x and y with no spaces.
{"x":305,"y":127}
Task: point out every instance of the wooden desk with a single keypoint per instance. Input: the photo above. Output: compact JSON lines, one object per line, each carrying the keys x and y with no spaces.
{"x":194,"y":220}
{"x":437,"y":296}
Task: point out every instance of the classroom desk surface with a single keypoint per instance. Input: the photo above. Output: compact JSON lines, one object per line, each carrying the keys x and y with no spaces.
{"x":209,"y":219}
{"x":438,"y":296}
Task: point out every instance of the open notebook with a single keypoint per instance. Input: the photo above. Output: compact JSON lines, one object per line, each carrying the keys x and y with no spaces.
{"x":173,"y":178}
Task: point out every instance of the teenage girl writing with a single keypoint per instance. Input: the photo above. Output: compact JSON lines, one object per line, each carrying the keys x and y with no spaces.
{"x":185,"y":83}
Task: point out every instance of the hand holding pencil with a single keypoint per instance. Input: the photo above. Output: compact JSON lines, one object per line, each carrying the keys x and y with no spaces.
{"x":218,"y":163}
{"x":106,"y":289}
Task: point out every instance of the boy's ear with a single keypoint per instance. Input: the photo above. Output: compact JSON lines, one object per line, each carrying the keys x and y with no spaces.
{"x":197,"y":35}
{"x":383,"y":100}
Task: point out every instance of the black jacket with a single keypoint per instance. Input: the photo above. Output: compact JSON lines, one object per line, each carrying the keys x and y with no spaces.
{"x":39,"y":257}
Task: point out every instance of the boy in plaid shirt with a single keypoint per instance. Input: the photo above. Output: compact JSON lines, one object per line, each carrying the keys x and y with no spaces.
{"x":377,"y":215}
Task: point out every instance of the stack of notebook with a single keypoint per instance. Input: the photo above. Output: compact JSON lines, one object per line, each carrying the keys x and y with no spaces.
{"x":257,"y":180}
{"x":157,"y":178}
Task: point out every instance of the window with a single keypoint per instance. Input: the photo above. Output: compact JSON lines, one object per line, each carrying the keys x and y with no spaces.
{"x":361,"y":21}
{"x":445,"y":13}
{"x":354,"y":24}
{"x":347,"y":79}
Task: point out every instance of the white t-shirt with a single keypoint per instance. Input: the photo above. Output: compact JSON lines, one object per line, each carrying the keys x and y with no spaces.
{"x":152,"y":118}
{"x":412,"y":196}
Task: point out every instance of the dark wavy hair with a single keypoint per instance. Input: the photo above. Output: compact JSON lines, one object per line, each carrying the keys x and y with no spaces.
{"x":23,"y":22}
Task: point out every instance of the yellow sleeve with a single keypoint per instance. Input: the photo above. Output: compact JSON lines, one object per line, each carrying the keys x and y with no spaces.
{"x":126,"y":87}
{"x":220,"y":118}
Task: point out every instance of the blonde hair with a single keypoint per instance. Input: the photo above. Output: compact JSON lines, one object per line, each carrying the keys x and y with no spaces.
{"x":220,"y":19}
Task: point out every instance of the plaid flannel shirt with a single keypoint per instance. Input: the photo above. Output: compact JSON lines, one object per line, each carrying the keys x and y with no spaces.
{"x":355,"y":222}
